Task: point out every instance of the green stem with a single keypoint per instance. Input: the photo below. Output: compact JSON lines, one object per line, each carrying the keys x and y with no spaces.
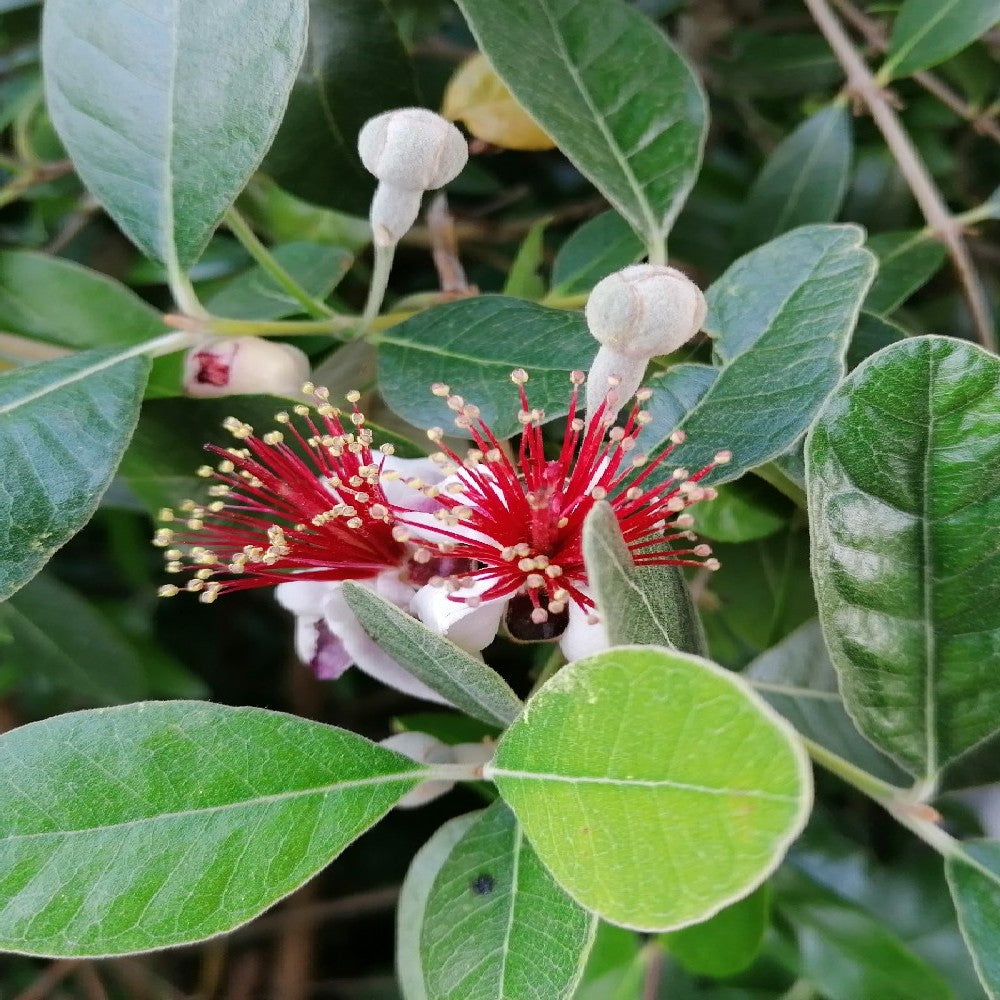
{"x":782,"y":482}
{"x":801,"y":989}
{"x":335,"y":326}
{"x":242,"y":230}
{"x":873,"y":787}
{"x":380,"y":282}
{"x":656,"y":251}
{"x":183,"y":291}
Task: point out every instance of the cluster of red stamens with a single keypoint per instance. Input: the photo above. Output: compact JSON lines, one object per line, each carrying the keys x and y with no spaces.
{"x":519,"y":521}
{"x":289,"y":505}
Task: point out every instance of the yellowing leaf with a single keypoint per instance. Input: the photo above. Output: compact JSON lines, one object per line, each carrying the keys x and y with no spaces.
{"x":478,"y":98}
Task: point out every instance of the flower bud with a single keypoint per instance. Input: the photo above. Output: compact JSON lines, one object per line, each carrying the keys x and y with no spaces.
{"x":645,"y":310}
{"x":410,"y":150}
{"x":230,"y":366}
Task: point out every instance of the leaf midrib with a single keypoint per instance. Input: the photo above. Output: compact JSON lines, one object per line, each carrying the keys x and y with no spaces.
{"x":382,"y":779}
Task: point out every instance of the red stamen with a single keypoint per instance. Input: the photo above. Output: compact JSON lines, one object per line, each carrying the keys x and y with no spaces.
{"x":530,"y":514}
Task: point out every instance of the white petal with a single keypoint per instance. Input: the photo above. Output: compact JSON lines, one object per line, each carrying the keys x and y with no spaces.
{"x":303,"y":597}
{"x":582,"y":639}
{"x":397,"y":492}
{"x":389,"y":585}
{"x":472,"y":628}
{"x":366,"y":654}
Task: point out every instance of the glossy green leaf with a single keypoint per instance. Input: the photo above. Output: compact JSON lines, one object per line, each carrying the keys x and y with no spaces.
{"x":169,"y":443}
{"x":59,"y":636}
{"x":413,"y":899}
{"x":904,"y":496}
{"x":906,"y":262}
{"x":726,"y":943}
{"x":742,"y":512}
{"x":615,"y":96}
{"x":974,"y":879}
{"x":463,"y":679}
{"x":601,"y":245}
{"x":853,"y":954}
{"x":495,"y":923}
{"x":59,"y":302}
{"x":797,"y":678}
{"x":161,"y":823}
{"x":641,"y":605}
{"x":255,"y":295}
{"x":780,"y":64}
{"x":164,"y":115}
{"x":355,"y":67}
{"x":803,"y":180}
{"x":473,"y":345}
{"x":654,"y":785}
{"x":927,"y":32}
{"x":780,"y":319}
{"x":63,"y":427}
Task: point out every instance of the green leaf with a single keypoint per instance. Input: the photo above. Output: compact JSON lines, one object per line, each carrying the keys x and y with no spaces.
{"x":165,"y":115}
{"x":641,"y":605}
{"x":927,"y":32}
{"x":495,"y":924}
{"x":169,"y":443}
{"x":612,"y":92}
{"x":603,"y":244}
{"x":473,"y":345}
{"x":255,"y":295}
{"x":654,"y":785}
{"x":852,"y":954}
{"x":59,"y":636}
{"x":903,"y":470}
{"x":906,"y":262}
{"x":413,"y":898}
{"x":870,"y":335}
{"x":797,"y":678}
{"x":780,"y":64}
{"x":974,"y":880}
{"x":59,"y":302}
{"x":355,"y":67}
{"x":63,"y":427}
{"x":163,"y":823}
{"x":780,"y":319}
{"x":465,"y":681}
{"x":523,"y":280}
{"x":726,"y":943}
{"x":803,"y":181}
{"x":742,"y":512}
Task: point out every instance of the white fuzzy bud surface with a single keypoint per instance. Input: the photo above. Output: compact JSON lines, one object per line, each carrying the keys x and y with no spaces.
{"x":234,"y":365}
{"x":409,"y":150}
{"x":645,"y":310}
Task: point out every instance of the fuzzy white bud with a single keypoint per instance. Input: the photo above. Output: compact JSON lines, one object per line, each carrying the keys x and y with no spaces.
{"x":409,"y":150}
{"x":645,"y":310}
{"x":230,"y":366}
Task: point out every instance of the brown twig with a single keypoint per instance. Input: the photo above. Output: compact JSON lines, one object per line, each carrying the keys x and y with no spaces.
{"x":862,"y":83}
{"x":981,"y":121}
{"x":52,"y":974}
{"x":89,"y":981}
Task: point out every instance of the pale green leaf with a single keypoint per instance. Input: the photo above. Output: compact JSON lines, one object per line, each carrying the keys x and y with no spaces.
{"x":609,"y":88}
{"x":413,"y":899}
{"x":903,"y":471}
{"x":164,"y":114}
{"x":654,"y":785}
{"x":473,"y":345}
{"x":798,"y":679}
{"x":641,"y":605}
{"x":601,"y":245}
{"x":973,"y":873}
{"x":927,"y":32}
{"x":63,"y":427}
{"x":162,"y":823}
{"x":803,"y":180}
{"x":780,"y":319}
{"x":906,"y":262}
{"x":467,"y":682}
{"x":495,"y":924}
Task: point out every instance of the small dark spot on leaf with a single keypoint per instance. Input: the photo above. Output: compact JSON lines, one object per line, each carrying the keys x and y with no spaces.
{"x":483,"y":884}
